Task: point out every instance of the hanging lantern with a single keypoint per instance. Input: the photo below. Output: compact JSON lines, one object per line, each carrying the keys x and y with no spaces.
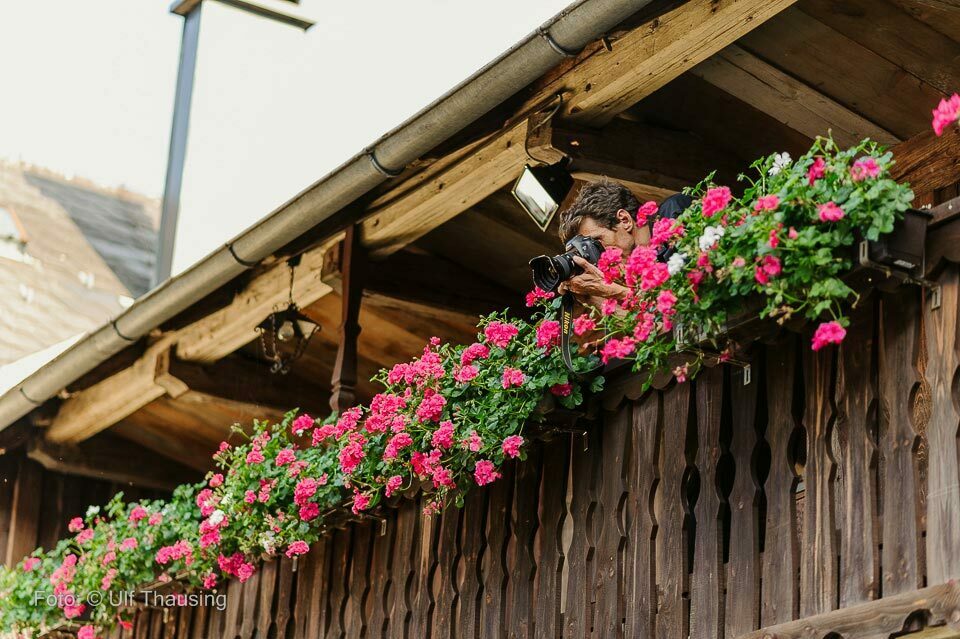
{"x":285,"y":334}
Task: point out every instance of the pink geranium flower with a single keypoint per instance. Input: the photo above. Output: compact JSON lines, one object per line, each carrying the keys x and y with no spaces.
{"x":87,"y":632}
{"x":484,"y":472}
{"x":583,"y":324}
{"x":473,"y":442}
{"x":75,"y":525}
{"x":864,"y":168}
{"x":816,"y":170}
{"x":715,"y":200}
{"x":548,"y":334}
{"x":284,"y":457}
{"x":431,"y":406}
{"x":361,"y":502}
{"x":443,"y":436}
{"x":512,"y":377}
{"x":766,"y":203}
{"x":828,"y":333}
{"x":297,"y":548}
{"x":30,"y":564}
{"x":562,"y":390}
{"x":511,"y":445}
{"x":302,"y":423}
{"x":946,"y":113}
{"x":474,"y":352}
{"x":465,"y":373}
{"x":393,"y":484}
{"x":617,"y":348}
{"x":610,"y":263}
{"x":538,"y":294}
{"x":646,"y":210}
{"x":830,"y":212}
{"x":397,"y":443}
{"x":309,"y":511}
{"x":771,"y":265}
{"x":609,"y":306}
{"x":255,"y":456}
{"x":500,"y":333}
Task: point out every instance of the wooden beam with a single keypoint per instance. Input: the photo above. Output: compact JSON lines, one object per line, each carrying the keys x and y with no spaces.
{"x":206,"y":340}
{"x":382,"y":342}
{"x":941,"y":15}
{"x":24,"y":512}
{"x":918,"y":49}
{"x":679,"y":105}
{"x":656,"y":52}
{"x":111,"y":458}
{"x":353,"y":269}
{"x":15,"y":435}
{"x":786,"y":99}
{"x":397,"y":221}
{"x":227,"y":329}
{"x":153,"y":433}
{"x":928,"y":163}
{"x":880,"y":618}
{"x":94,"y":409}
{"x":648,"y":157}
{"x":429,"y":280}
{"x":847,"y":72}
{"x":240,"y":380}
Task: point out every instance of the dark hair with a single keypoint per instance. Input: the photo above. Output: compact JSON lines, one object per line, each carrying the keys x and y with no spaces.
{"x":599,"y":201}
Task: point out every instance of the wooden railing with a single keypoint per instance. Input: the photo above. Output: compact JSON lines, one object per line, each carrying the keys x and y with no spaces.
{"x":819,"y":497}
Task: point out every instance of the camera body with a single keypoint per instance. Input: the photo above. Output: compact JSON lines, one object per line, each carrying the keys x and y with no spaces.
{"x":549,"y":272}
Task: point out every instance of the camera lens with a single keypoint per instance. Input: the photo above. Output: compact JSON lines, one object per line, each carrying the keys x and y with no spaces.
{"x":545,"y":273}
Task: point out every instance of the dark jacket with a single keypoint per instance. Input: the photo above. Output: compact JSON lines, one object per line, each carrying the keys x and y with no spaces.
{"x":670,"y":208}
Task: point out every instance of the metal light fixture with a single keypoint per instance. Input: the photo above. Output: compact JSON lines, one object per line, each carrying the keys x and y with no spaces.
{"x":285,"y":334}
{"x":541,"y":189}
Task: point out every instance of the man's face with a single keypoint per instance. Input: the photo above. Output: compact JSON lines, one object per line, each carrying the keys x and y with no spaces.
{"x":625,"y":234}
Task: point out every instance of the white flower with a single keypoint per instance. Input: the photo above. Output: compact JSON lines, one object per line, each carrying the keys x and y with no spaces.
{"x":226,"y":501}
{"x":675,"y":263}
{"x":269,"y":541}
{"x":93,"y":511}
{"x":216,"y":517}
{"x":711,"y":235}
{"x":780,"y":162}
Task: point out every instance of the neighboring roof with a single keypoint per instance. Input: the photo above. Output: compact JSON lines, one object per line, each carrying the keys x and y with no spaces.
{"x":120,"y":226}
{"x":61,"y":282}
{"x":321,"y":203}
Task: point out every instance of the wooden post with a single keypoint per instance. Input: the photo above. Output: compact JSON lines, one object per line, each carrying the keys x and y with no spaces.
{"x":352,"y":266}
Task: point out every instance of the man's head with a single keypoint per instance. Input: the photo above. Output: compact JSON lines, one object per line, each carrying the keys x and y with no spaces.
{"x":605,"y":210}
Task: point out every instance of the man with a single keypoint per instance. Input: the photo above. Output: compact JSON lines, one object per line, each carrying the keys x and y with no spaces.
{"x":606,"y":211}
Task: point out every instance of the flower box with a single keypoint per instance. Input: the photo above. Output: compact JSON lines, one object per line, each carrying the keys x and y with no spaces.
{"x":904,"y":248}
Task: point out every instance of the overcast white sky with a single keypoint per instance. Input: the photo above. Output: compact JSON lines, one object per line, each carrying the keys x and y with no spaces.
{"x":86,"y":86}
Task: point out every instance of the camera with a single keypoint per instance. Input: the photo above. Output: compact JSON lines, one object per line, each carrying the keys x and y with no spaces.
{"x":549,"y":272}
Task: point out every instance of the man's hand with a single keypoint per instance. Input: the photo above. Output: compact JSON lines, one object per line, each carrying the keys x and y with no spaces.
{"x":590,"y":286}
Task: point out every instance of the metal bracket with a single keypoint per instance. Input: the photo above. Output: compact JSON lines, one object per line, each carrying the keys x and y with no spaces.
{"x":906,"y":278}
{"x":936,"y":297}
{"x":747,"y":375}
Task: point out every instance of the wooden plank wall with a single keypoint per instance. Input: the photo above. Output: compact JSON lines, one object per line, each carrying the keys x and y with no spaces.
{"x":36,"y":504}
{"x":708,"y":509}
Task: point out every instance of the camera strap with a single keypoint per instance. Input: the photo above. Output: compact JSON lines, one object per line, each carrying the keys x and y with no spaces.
{"x":566,"y":329}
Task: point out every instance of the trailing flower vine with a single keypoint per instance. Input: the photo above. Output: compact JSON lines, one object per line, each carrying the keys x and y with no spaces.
{"x":786,"y":242}
{"x":447,"y":420}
